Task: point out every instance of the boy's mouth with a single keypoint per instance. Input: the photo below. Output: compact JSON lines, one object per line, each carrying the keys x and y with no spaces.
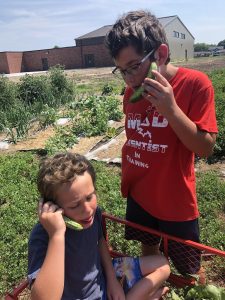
{"x":86,"y":221}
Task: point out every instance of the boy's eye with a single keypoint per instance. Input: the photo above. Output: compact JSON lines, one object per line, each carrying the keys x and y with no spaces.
{"x":89,"y":198}
{"x":75,"y":206}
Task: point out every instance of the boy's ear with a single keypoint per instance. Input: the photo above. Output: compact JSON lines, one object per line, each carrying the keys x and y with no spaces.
{"x":161,"y":54}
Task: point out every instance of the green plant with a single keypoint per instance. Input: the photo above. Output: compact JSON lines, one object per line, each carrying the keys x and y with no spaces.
{"x":107,"y":89}
{"x":16,"y":122}
{"x":63,"y":140}
{"x":218,"y":80}
{"x":48,"y":116}
{"x":34,"y":89}
{"x":8,"y":93}
{"x":62,"y":87}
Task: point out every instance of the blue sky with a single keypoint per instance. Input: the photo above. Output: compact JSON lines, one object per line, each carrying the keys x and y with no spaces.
{"x":40,"y":24}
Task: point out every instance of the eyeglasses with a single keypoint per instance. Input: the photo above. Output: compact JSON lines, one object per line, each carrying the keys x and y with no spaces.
{"x":132,"y":70}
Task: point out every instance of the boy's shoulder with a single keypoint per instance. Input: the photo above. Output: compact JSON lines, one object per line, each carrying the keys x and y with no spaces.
{"x":193,"y":77}
{"x":192,"y":73}
{"x":39,"y":232}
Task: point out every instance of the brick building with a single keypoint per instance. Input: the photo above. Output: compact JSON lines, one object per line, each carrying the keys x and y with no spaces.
{"x":89,"y":50}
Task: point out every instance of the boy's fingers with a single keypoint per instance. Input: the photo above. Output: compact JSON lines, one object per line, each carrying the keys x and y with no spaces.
{"x":149,"y":97}
{"x":160,"y":78}
{"x":60,"y":210}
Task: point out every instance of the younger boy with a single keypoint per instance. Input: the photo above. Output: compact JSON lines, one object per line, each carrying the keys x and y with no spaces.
{"x":68,"y":264}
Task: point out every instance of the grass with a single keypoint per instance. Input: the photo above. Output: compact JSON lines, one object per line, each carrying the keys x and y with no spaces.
{"x":18,"y":200}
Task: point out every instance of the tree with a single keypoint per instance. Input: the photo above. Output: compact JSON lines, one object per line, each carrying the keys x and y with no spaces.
{"x":222,"y":43}
{"x":201,"y":47}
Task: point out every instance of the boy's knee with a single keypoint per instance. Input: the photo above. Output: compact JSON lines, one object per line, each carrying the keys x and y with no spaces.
{"x":165,"y":270}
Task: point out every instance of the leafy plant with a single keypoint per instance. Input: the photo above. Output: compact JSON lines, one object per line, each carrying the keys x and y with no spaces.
{"x":34,"y":89}
{"x":62,"y":87}
{"x":107,"y":89}
{"x":61,"y":141}
{"x":218,"y":80}
{"x":16,"y":121}
{"x":48,"y":116}
{"x":8,"y":93}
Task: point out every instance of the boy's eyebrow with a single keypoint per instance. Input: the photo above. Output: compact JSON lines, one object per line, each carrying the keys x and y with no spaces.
{"x":130,"y":63}
{"x":77,"y":199}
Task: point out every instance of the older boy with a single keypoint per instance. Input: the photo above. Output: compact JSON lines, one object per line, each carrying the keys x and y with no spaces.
{"x":173,"y":120}
{"x":68,"y":264}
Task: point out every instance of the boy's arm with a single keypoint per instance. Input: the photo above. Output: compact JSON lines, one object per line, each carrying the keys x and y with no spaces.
{"x":196,"y":140}
{"x":49,"y":283}
{"x":114,"y":289}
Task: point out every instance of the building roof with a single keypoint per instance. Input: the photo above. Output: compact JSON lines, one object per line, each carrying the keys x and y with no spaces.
{"x":102,"y":31}
{"x":96,"y":33}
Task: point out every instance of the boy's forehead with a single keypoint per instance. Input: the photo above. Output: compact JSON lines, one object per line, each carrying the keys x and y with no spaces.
{"x":127,"y":56}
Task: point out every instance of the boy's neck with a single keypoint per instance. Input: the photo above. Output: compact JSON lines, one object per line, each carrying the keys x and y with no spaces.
{"x":168,"y":71}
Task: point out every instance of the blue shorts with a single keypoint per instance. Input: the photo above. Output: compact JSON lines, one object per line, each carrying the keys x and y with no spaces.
{"x":128,"y":272}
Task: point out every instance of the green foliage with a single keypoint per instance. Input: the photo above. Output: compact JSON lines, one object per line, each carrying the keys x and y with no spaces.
{"x":34,"y":97}
{"x":107,"y":89}
{"x":61,"y":87}
{"x":61,"y":141}
{"x":201,"y":47}
{"x":15,"y":122}
{"x":48,"y":116}
{"x":35,"y":89}
{"x":8,"y":93}
{"x":18,"y":201}
{"x":218,"y":80}
{"x":211,"y":195}
{"x":222,"y":43}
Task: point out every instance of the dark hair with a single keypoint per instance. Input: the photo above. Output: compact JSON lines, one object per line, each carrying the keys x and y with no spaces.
{"x":140,"y":29}
{"x":59,"y":169}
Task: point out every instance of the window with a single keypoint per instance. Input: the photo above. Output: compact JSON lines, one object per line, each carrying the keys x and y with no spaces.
{"x":176,"y":34}
{"x":182,"y":36}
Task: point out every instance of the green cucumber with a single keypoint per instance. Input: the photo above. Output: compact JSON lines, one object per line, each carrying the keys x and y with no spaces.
{"x":72,"y":224}
{"x":138,"y":92}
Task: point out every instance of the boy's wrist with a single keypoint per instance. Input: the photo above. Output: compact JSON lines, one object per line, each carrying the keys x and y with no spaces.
{"x":57,"y":236}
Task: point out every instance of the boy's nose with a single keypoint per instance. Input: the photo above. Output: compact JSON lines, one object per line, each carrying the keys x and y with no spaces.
{"x":87,"y":208}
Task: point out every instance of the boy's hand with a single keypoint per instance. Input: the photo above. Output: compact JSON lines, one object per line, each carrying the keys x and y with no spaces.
{"x":50,"y":216}
{"x":115,"y":290}
{"x":160,"y":93}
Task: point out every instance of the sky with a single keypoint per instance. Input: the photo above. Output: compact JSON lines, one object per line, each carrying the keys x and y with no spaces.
{"x":42,"y":24}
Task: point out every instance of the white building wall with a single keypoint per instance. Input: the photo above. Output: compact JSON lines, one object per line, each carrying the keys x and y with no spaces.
{"x":180,"y":48}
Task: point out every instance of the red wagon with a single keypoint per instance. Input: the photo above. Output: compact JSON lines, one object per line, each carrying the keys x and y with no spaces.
{"x":213,"y":260}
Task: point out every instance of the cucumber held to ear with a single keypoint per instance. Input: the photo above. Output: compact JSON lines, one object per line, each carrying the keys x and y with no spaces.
{"x":72,"y":224}
{"x":137,"y":93}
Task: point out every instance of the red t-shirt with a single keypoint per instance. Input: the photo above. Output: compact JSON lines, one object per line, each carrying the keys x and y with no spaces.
{"x":157,"y":169}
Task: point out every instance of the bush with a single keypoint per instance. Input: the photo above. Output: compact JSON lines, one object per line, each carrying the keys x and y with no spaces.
{"x":62,"y":87}
{"x":8,"y":93}
{"x":16,"y":121}
{"x":107,"y":89}
{"x":34,"y":89}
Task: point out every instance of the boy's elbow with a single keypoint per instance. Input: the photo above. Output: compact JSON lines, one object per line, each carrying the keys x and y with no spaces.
{"x":208,"y":147}
{"x":206,"y":152}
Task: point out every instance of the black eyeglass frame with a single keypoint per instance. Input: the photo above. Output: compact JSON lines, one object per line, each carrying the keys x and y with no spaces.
{"x":126,"y":71}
